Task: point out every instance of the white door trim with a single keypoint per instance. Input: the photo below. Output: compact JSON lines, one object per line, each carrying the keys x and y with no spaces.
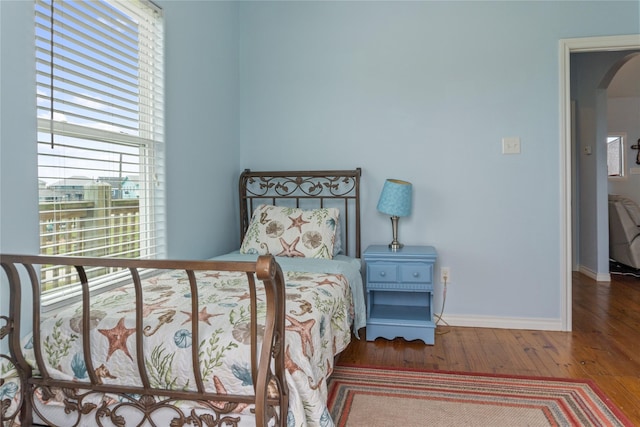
{"x":567,"y":47}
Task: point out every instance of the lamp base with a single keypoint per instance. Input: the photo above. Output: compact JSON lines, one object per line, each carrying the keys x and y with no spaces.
{"x":395,"y":245}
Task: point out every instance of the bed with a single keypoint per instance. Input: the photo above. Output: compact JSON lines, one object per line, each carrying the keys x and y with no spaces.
{"x":245,"y":338}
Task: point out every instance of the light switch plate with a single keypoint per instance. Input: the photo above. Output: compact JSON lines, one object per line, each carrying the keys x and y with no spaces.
{"x":511,"y":145}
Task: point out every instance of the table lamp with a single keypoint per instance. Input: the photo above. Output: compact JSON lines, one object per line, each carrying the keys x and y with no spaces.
{"x":395,"y":200}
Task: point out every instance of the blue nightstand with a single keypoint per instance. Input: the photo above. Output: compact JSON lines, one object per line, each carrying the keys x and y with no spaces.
{"x":400,"y":292}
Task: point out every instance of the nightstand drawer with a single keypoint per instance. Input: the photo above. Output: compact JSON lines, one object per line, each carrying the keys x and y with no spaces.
{"x":415,"y":273}
{"x":380,"y":272}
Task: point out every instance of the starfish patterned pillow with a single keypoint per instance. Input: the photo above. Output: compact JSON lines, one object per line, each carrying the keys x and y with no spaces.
{"x":291,"y":232}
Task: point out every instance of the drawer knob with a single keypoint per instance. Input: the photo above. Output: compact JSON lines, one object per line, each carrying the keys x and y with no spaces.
{"x":416,"y":274}
{"x":382,"y":274}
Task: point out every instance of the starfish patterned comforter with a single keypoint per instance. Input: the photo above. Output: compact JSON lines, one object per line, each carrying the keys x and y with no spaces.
{"x":320,"y":314}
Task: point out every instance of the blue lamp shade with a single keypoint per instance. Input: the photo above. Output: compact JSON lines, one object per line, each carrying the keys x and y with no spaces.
{"x":395,"y":199}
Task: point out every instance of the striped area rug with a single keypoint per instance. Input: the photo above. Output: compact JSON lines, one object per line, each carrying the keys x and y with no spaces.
{"x":371,"y":397}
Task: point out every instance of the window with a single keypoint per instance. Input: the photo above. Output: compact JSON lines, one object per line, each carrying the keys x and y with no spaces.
{"x":99,"y":71}
{"x":615,"y":155}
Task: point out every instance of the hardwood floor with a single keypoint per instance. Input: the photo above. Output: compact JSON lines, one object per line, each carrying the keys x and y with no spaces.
{"x":604,"y":345}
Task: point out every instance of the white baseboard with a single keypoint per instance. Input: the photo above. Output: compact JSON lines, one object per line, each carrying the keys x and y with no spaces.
{"x":598,"y":277}
{"x":504,"y":322}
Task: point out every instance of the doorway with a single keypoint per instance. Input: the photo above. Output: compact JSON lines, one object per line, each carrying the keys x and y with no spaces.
{"x":567,"y":47}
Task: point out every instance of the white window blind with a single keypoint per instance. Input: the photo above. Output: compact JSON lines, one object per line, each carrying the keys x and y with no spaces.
{"x":100,"y":90}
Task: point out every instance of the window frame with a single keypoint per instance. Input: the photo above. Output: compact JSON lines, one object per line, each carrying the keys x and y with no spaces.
{"x":146,"y":134}
{"x":622,"y":136}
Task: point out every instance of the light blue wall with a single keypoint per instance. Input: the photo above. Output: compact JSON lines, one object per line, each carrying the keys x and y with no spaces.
{"x":18,"y":172}
{"x":201,"y":127}
{"x":424,"y":91}
{"x":18,"y":168}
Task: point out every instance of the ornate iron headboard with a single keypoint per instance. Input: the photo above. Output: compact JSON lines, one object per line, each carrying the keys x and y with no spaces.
{"x":307,"y":190}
